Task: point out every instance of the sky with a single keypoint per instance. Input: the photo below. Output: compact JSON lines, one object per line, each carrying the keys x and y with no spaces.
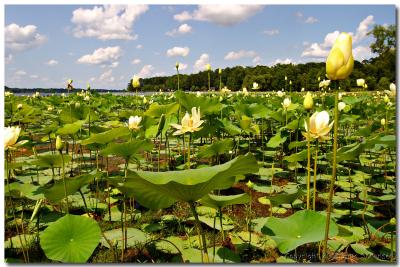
{"x":105,"y":45}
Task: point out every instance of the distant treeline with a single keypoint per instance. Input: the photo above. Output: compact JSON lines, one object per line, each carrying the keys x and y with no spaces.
{"x":52,"y":90}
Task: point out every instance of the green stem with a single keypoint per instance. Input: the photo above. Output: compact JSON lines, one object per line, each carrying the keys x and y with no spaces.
{"x":65,"y":182}
{"x":333,"y":178}
{"x":308,"y":160}
{"x":200,"y":232}
{"x":315,"y":175}
{"x":209,"y":81}
{"x":221,"y":225}
{"x":188,"y":157}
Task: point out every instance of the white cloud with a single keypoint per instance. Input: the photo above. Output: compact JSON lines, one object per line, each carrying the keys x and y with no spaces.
{"x":200,"y":64}
{"x":225,"y":15}
{"x":162,"y":73}
{"x":182,"y":66}
{"x":310,"y":20}
{"x":146,"y":71}
{"x":139,"y":46}
{"x":107,"y":22}
{"x":107,"y":76}
{"x":281,"y":61}
{"x":19,"y":38}
{"x":34,"y":76}
{"x":362,"y":52}
{"x":20,"y":73}
{"x":52,"y":62}
{"x":182,"y":29}
{"x":316,"y":50}
{"x":106,"y":55}
{"x":271,"y":32}
{"x":9,"y":59}
{"x":239,"y":54}
{"x":257,"y":61}
{"x":178,"y":51}
{"x":135,"y":61}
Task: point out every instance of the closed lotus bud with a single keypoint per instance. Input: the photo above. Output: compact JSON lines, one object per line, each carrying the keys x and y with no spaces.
{"x":286,"y":103}
{"x":144,"y":100}
{"x":386,"y":99}
{"x":135,"y":81}
{"x":208,"y":67}
{"x":392,"y":88}
{"x":219,"y":71}
{"x":177,"y":65}
{"x":255,"y":86}
{"x":393,"y":221}
{"x":87,"y":98}
{"x":341,"y":106}
{"x":88,"y":87}
{"x":19,"y":106}
{"x":285,"y":78}
{"x":308,"y":101}
{"x":290,"y":82}
{"x":250,"y":184}
{"x":383,"y":122}
{"x":77,"y":105}
{"x":340,"y":61}
{"x":50,"y":108}
{"x":360,"y":82}
{"x":59,"y":143}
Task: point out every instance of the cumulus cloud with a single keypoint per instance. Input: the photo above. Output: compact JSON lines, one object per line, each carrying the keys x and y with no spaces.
{"x":361,"y":53}
{"x":107,"y":55}
{"x":182,"y":66}
{"x":257,"y":61}
{"x":107,"y":76}
{"x":178,"y":51}
{"x":200,"y":64}
{"x":224,"y":15}
{"x":306,"y":20}
{"x":240,"y":54}
{"x":135,"y":61}
{"x":139,"y":46}
{"x":282,"y":61}
{"x":19,"y":38}
{"x":33,"y":76}
{"x":321,"y":50}
{"x":271,"y":32}
{"x":107,"y":22}
{"x":182,"y":29}
{"x":146,"y":71}
{"x":52,"y":62}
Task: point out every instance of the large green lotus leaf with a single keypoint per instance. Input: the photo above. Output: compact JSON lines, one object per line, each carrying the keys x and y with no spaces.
{"x":289,"y":198}
{"x":299,"y":156}
{"x":20,"y":241}
{"x":71,"y":239}
{"x":227,"y":222}
{"x":70,"y":128}
{"x":155,"y":110}
{"x":229,"y":127}
{"x":56,"y":193}
{"x":134,"y":237}
{"x":107,"y":136}
{"x":156,"y":190}
{"x":217,"y":148}
{"x":349,"y":152}
{"x":126,"y":150}
{"x":207,"y":105}
{"x":303,"y":227}
{"x":215,"y":201}
{"x":50,"y":160}
{"x":27,"y":190}
{"x":276,"y":141}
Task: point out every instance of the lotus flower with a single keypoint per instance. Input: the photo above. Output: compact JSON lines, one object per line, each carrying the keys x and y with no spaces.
{"x":341,"y":106}
{"x":340,"y":61}
{"x":8,"y":93}
{"x":286,"y":103}
{"x":133,"y":123}
{"x":208,"y":67}
{"x":19,"y":106}
{"x":255,"y":86}
{"x":135,"y":81}
{"x":11,"y":135}
{"x":383,"y":122}
{"x":245,"y":92}
{"x":319,"y":126}
{"x":308,"y":101}
{"x":360,"y":82}
{"x":189,"y":123}
{"x":280,"y":93}
{"x":324,"y":83}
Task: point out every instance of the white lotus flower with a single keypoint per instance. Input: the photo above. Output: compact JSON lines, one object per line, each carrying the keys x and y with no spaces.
{"x":255,"y":86}
{"x":360,"y":82}
{"x":245,"y":92}
{"x":11,"y":135}
{"x":286,"y":103}
{"x":8,"y":93}
{"x":341,"y":106}
{"x":189,"y":123}
{"x":225,"y":90}
{"x":280,"y":93}
{"x":87,"y":98}
{"x":133,"y":123}
{"x":319,"y":126}
{"x":19,"y":106}
{"x":324,"y":83}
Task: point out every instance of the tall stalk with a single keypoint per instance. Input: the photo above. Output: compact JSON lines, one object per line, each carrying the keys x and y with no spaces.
{"x":328,"y":212}
{"x":315,"y":175}
{"x":200,"y":233}
{"x":65,"y":182}
{"x":308,"y":160}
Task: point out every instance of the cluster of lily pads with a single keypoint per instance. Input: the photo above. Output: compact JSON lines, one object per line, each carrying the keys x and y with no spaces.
{"x":202,"y":177}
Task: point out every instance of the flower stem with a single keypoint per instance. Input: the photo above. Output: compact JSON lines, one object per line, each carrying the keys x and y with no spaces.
{"x":315,"y":175}
{"x":188,"y":157}
{"x":65,"y":182}
{"x":200,"y":232}
{"x":308,"y":160}
{"x":328,"y":212}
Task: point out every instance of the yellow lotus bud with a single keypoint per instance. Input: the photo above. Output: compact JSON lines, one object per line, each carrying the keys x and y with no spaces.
{"x":219,"y":71}
{"x":360,"y":82}
{"x":77,"y":105}
{"x":383,"y":122}
{"x":250,"y":184}
{"x":177,"y":65}
{"x":19,"y":106}
{"x":135,"y":81}
{"x":59,"y":143}
{"x":386,"y":99}
{"x":208,"y":67}
{"x":340,"y":61}
{"x":308,"y":101}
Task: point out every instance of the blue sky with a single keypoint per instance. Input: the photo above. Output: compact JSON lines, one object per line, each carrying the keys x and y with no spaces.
{"x":45,"y":45}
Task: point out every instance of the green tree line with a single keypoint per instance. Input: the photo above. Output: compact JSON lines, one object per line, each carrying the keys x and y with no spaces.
{"x":378,"y":72}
